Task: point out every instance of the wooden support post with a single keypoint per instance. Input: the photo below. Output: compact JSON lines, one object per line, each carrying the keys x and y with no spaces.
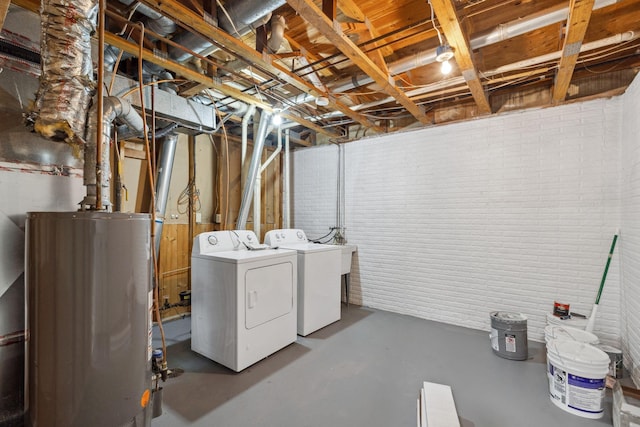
{"x":329,"y":9}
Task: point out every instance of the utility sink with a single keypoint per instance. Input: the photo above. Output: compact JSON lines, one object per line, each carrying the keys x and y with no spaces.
{"x":347,"y":253}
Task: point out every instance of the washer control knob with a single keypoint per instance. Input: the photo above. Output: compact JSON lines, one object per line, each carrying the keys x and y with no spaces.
{"x":213,"y":240}
{"x":299,"y":234}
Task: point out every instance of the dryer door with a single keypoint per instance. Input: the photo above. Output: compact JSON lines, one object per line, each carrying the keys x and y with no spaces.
{"x":268,"y":293}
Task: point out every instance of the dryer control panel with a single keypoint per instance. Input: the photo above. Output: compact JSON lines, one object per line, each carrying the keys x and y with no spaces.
{"x":228,"y":240}
{"x":215,"y":241}
{"x":275,"y":238}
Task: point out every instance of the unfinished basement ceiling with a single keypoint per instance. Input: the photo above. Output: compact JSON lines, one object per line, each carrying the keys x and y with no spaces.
{"x":347,"y":68}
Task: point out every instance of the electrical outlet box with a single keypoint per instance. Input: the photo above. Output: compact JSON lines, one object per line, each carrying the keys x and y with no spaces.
{"x":218,"y":218}
{"x":198,"y":217}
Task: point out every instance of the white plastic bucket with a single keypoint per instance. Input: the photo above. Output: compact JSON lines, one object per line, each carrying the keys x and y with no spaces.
{"x":554,"y":332}
{"x":574,"y":322}
{"x":576,"y":373}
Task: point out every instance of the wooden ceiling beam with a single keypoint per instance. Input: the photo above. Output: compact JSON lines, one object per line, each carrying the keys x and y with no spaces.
{"x":4,"y":7}
{"x":189,"y":19}
{"x":208,"y":82}
{"x":312,"y":57}
{"x":314,"y":16}
{"x":350,"y":9}
{"x":448,"y":18}
{"x":577,"y":23}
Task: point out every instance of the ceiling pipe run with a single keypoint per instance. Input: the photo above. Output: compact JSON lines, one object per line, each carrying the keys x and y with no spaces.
{"x":245,"y":15}
{"x":274,"y":42}
{"x":113,"y":108}
{"x":500,"y":33}
{"x":456,"y":81}
{"x":156,"y":22}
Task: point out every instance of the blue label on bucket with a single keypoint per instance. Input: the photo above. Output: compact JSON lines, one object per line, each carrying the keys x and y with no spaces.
{"x":585,"y":410}
{"x":586,"y":382}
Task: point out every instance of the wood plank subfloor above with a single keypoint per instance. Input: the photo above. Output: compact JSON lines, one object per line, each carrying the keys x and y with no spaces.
{"x":365,"y":370}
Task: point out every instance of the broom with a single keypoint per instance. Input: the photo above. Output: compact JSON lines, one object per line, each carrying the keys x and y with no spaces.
{"x":594,"y":310}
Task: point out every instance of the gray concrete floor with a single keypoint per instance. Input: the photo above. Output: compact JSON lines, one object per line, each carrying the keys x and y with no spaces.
{"x":365,"y":370}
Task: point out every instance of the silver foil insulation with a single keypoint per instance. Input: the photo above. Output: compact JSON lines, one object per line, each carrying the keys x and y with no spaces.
{"x":66,"y":82}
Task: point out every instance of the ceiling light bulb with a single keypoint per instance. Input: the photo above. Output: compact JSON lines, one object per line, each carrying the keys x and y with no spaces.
{"x":445,"y":68}
{"x":276,"y":119}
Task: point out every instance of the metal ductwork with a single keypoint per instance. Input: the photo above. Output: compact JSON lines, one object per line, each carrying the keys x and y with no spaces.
{"x":156,"y":22}
{"x":244,"y":15}
{"x":254,"y":169}
{"x":274,"y":42}
{"x":113,"y":108}
{"x":66,"y":82}
{"x":163,"y":179}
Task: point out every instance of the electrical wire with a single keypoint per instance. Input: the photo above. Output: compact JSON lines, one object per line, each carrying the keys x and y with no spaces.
{"x":433,"y":22}
{"x":154,"y":257}
{"x":225,"y":143}
{"x":228,"y":17}
{"x":318,"y":240}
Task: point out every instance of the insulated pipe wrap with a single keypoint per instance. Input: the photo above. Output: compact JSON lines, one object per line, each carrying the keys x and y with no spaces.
{"x":66,"y":82}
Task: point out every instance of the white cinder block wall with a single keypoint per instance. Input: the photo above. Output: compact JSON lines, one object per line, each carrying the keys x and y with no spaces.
{"x":630,"y":238}
{"x":505,"y":213}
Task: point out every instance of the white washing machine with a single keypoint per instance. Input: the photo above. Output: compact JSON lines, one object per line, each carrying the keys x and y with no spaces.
{"x":243,"y":302}
{"x":319,"y":269}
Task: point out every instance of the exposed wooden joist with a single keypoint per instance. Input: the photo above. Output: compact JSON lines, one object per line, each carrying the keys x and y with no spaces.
{"x":579,"y":16}
{"x":312,"y":57}
{"x":190,"y":74}
{"x":352,"y":10}
{"x":192,"y":20}
{"x":4,"y":7}
{"x":448,"y":18}
{"x":312,"y":14}
{"x":376,"y":55}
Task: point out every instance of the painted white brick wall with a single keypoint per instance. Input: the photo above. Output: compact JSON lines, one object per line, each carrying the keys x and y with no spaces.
{"x":314,"y":189}
{"x":630,"y":237}
{"x":505,"y":213}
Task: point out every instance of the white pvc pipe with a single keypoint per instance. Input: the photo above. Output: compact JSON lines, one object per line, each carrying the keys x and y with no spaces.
{"x":257,"y":196}
{"x":286,"y":200}
{"x":277,"y":33}
{"x":245,"y":126}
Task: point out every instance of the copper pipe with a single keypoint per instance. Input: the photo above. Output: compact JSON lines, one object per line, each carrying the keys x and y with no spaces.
{"x":100,"y":109}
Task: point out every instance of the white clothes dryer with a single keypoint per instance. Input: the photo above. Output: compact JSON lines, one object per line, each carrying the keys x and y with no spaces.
{"x":243,"y":302}
{"x":319,"y":268}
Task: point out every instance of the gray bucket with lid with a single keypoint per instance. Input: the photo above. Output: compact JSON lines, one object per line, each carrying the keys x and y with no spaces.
{"x":509,"y":335}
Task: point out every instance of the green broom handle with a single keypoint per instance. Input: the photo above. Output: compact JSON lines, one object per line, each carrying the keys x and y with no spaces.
{"x":606,"y":268}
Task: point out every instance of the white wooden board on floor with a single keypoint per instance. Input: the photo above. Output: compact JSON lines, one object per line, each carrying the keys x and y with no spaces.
{"x":437,"y":408}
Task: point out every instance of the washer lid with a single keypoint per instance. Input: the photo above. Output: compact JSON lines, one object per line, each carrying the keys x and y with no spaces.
{"x":309,"y":247}
{"x":245,"y":256}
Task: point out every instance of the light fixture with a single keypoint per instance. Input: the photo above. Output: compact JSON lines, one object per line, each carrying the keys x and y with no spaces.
{"x":322,"y":101}
{"x":445,"y":68}
{"x":443,"y":55}
{"x":276,"y":120}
